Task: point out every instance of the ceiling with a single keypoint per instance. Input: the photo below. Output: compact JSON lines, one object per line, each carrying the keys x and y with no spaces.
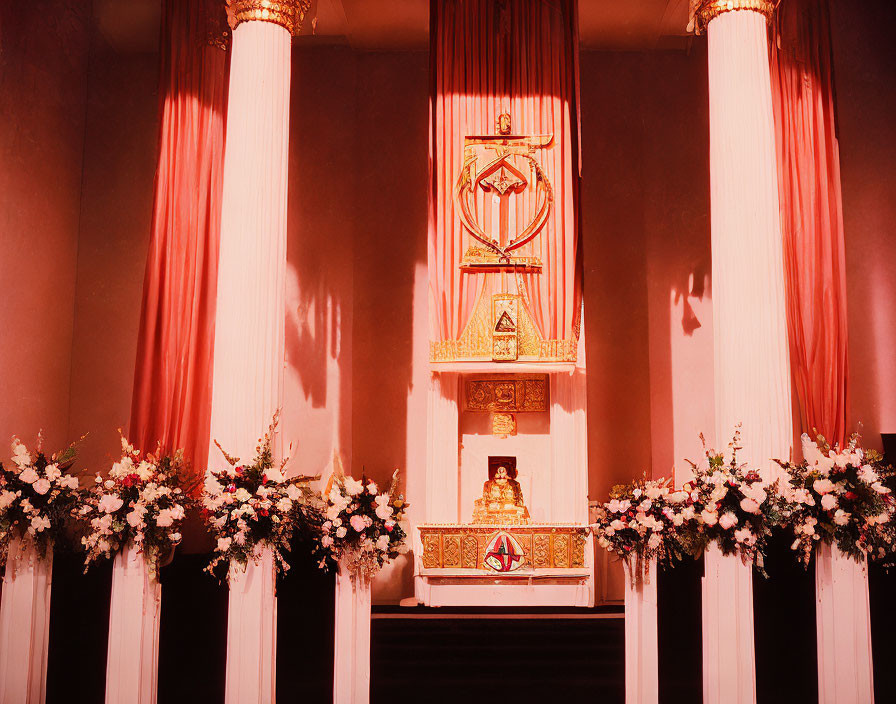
{"x":614,"y":25}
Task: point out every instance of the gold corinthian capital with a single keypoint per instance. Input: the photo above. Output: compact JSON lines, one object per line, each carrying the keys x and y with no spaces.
{"x":705,"y":11}
{"x":289,"y":14}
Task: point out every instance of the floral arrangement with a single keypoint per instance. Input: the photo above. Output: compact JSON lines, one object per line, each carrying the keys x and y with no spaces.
{"x":141,"y":502}
{"x":840,"y":496}
{"x":641,"y":522}
{"x":362,"y":527}
{"x":732,"y":506}
{"x":37,"y":494}
{"x":247,"y":506}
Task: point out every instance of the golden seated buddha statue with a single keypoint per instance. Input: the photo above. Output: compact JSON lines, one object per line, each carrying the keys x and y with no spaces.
{"x":502,"y":500}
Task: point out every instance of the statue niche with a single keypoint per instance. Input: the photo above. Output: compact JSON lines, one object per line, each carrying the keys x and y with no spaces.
{"x":502,"y":498}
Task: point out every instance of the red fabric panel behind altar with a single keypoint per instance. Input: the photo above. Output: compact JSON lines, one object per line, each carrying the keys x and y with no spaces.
{"x":812,"y":216}
{"x":491,"y":57}
{"x":172,"y":380}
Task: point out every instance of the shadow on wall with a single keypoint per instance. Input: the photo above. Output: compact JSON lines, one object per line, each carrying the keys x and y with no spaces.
{"x":357,"y":232}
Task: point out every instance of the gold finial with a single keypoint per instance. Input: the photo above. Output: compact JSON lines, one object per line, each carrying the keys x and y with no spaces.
{"x":705,"y":11}
{"x":289,"y":14}
{"x":502,"y":124}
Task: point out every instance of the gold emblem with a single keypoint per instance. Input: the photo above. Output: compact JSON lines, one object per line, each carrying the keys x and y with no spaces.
{"x":502,"y":166}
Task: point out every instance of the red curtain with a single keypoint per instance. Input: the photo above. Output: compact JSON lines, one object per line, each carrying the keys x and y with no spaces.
{"x":489,"y":57}
{"x":172,"y":380}
{"x":811,"y":214}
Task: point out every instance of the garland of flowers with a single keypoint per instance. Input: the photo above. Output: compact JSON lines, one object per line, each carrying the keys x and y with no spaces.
{"x":733,"y":507}
{"x":36,"y":496}
{"x":362,"y":527}
{"x":142,"y":502}
{"x":250,"y":506}
{"x":840,"y":497}
{"x":641,"y":522}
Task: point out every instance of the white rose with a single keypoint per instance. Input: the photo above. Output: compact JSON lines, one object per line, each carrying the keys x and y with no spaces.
{"x":224,"y":544}
{"x":42,"y":486}
{"x":284,"y":505}
{"x":867,"y":474}
{"x":728,"y":520}
{"x":175,"y":538}
{"x":823,"y":486}
{"x":880,"y":488}
{"x":28,"y":475}
{"x":134,"y":518}
{"x":110,"y":503}
{"x":828,"y":502}
{"x":242,"y":495}
{"x":212,"y":486}
{"x":709,"y":517}
{"x":341,"y":531}
{"x":52,"y":472}
{"x":353,"y":487}
{"x":382,"y":543}
{"x":653,"y":492}
{"x":164,"y":519}
{"x":145,"y":470}
{"x":841,"y":517}
{"x":293,"y":492}
{"x":749,"y":505}
{"x":326,"y":541}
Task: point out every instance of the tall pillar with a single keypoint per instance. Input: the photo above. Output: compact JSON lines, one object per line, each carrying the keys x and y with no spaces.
{"x":250,"y":317}
{"x":752,"y":376}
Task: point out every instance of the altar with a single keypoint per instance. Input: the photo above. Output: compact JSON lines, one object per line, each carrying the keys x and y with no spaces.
{"x":506,"y":511}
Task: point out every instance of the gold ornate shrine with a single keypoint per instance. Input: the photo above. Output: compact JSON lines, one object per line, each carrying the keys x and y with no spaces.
{"x":503,"y":395}
{"x":552,"y":547}
{"x":501,"y":502}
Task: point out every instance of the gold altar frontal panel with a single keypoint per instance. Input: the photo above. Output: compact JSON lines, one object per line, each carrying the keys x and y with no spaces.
{"x":553,"y":547}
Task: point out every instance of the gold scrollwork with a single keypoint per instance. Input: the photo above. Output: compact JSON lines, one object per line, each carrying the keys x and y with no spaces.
{"x":289,"y":14}
{"x":707,"y":10}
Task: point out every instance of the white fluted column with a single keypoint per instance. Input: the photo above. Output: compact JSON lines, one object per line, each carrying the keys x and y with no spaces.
{"x":250,"y":319}
{"x":641,"y":640}
{"x":351,"y":664}
{"x":132,"y":661}
{"x":569,"y":448}
{"x":843,"y":617}
{"x":252,"y":632}
{"x":752,"y":373}
{"x":25,"y":625}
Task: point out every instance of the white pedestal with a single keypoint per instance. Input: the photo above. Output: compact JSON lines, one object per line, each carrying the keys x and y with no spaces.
{"x":25,"y":625}
{"x":641,"y":646}
{"x":132,"y":663}
{"x":729,"y":663}
{"x":843,"y":617}
{"x":351,"y":667}
{"x":252,"y":633}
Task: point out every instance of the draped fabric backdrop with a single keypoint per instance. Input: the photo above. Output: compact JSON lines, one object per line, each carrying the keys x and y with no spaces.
{"x":521,"y":58}
{"x":172,"y":380}
{"x":811,"y":214}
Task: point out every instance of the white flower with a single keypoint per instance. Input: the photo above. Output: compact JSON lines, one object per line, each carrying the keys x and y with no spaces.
{"x":382,"y":543}
{"x":749,"y":505}
{"x":617,"y":525}
{"x":867,"y":474}
{"x":645,"y":505}
{"x":619,"y":506}
{"x":383,"y":509}
{"x":293,"y":492}
{"x":263,"y":491}
{"x":135,"y":517}
{"x":6,"y":499}
{"x":880,"y":488}
{"x":52,"y":472}
{"x":224,"y":544}
{"x":841,"y":517}
{"x":212,"y":486}
{"x":42,"y":486}
{"x":709,"y":517}
{"x":28,"y":475}
{"x":654,"y":541}
{"x":828,"y":502}
{"x":40,"y":523}
{"x":175,"y":537}
{"x":823,"y":486}
{"x":728,"y":520}
{"x":341,"y":531}
{"x":357,"y":522}
{"x":353,"y":487}
{"x":110,"y":503}
{"x":326,"y":541}
{"x":743,"y":535}
{"x":676,"y":497}
{"x":145,"y":470}
{"x":242,"y":495}
{"x":67,"y":481}
{"x":371,"y":487}
{"x":756,"y":492}
{"x":20,"y":454}
{"x":284,"y":505}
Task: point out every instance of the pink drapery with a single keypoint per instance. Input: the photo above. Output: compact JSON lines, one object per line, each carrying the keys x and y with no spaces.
{"x":487,"y":58}
{"x":172,"y":380}
{"x":811,"y":214}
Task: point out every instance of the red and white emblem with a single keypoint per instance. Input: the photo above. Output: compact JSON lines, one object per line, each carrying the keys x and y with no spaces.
{"x":504,"y":553}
